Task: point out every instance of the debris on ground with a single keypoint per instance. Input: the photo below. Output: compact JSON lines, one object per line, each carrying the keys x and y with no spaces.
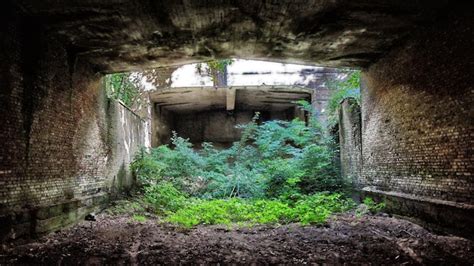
{"x":346,"y":238}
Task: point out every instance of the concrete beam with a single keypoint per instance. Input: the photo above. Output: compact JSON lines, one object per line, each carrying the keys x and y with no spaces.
{"x":230,"y":98}
{"x":187,"y":99}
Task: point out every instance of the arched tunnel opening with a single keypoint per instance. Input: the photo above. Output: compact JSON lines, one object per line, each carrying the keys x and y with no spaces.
{"x":91,"y":93}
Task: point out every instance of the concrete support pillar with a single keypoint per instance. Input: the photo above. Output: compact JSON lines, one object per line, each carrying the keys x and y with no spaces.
{"x":230,"y":98}
{"x":350,"y":140}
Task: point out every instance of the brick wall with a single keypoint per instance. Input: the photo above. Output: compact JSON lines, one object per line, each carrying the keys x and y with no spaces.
{"x":417,"y":125}
{"x":64,"y":146}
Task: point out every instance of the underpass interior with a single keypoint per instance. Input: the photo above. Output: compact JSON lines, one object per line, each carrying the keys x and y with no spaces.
{"x":67,"y":147}
{"x":211,"y":114}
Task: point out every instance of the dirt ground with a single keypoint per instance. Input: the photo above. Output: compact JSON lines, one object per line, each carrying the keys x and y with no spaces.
{"x":117,"y":240}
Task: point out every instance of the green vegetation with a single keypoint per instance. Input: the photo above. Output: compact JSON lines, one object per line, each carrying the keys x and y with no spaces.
{"x":120,"y":207}
{"x":212,"y":68}
{"x":278,"y":172}
{"x":164,"y":197}
{"x":369,"y":206}
{"x":119,"y":86}
{"x":347,"y":88}
{"x":139,"y":218}
{"x":373,"y":206}
{"x":273,"y":159}
{"x":314,"y":209}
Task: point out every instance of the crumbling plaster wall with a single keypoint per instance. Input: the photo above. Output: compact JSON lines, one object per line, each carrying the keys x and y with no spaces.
{"x":350,"y":141}
{"x":64,"y":146}
{"x":127,"y":134}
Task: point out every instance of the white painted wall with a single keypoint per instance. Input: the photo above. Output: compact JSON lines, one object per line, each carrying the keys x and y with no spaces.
{"x":248,"y":72}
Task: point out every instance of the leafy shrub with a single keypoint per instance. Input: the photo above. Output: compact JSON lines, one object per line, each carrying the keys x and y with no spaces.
{"x":164,"y":197}
{"x":317,"y":208}
{"x":320,"y":174}
{"x":274,"y":159}
{"x":146,"y":167}
{"x":180,"y":166}
{"x":373,"y":206}
{"x":283,"y":179}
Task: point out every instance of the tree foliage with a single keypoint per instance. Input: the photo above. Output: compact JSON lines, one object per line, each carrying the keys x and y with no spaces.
{"x":212,"y":68}
{"x":348,"y":87}
{"x":121,"y":86}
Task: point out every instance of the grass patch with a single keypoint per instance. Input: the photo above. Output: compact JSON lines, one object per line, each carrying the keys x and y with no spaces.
{"x":314,"y":209}
{"x":139,"y":218}
{"x":128,"y":207}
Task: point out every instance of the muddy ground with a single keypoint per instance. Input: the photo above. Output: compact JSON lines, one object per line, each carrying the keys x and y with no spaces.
{"x":118,"y":240}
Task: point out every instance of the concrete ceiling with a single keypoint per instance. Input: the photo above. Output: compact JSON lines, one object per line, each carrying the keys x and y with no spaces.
{"x":122,"y":35}
{"x":262,"y":98}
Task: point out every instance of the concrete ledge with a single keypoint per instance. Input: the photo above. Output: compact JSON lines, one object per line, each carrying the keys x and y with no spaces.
{"x":40,"y":220}
{"x":440,"y":215}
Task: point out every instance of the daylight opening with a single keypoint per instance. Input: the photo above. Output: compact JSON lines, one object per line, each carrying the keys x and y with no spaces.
{"x":226,"y":132}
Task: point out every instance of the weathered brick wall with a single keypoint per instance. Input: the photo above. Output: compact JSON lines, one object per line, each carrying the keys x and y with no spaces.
{"x":417,"y":124}
{"x":350,"y":140}
{"x":63,"y":145}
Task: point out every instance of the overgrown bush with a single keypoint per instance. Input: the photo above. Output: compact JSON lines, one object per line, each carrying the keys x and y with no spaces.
{"x":164,"y":197}
{"x":180,"y":166}
{"x":265,"y":177}
{"x":272,"y":159}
